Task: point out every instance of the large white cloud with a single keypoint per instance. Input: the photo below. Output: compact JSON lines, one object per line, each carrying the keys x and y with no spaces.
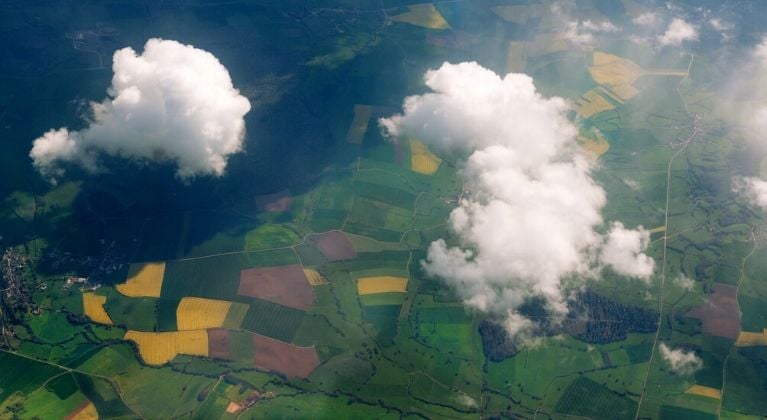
{"x":173,"y":102}
{"x":531,"y":215}
{"x":746,"y":105}
{"x":678,"y":31}
{"x":680,"y":361}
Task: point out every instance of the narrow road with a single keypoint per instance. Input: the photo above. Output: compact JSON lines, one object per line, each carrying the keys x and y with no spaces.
{"x":684,"y":145}
{"x":737,"y":292}
{"x":70,"y":370}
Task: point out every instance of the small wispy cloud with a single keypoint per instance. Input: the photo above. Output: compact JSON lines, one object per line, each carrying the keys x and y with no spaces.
{"x":680,"y":361}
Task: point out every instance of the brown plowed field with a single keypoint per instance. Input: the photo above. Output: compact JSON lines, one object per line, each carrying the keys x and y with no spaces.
{"x":286,"y":285}
{"x":334,"y":246}
{"x":277,"y":202}
{"x":720,"y":314}
{"x":276,"y":356}
{"x":218,"y":343}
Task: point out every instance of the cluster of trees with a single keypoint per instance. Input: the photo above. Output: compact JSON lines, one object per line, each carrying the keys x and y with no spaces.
{"x":495,"y":341}
{"x":597,"y":319}
{"x":593,"y":318}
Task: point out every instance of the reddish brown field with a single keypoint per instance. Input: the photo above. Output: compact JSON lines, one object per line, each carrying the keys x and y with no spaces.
{"x":720,"y":314}
{"x":218,"y":343}
{"x":334,"y":246}
{"x":276,"y":202}
{"x":276,"y":356}
{"x":286,"y":285}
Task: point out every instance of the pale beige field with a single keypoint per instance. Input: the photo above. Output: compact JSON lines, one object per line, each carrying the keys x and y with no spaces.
{"x":314,"y":277}
{"x":160,"y":348}
{"x":624,"y":92}
{"x":144,"y":280}
{"x":424,"y":15}
{"x":93,"y":306}
{"x":618,"y":74}
{"x":595,"y":146}
{"x":614,"y":72}
{"x":381,"y":284}
{"x":592,"y":103}
{"x":516,"y":57}
{"x":547,"y":43}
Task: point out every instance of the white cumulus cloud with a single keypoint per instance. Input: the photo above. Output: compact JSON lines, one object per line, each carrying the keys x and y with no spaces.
{"x":531,"y":213}
{"x":172,"y":103}
{"x":753,"y":189}
{"x":647,"y":19}
{"x":623,"y":251}
{"x":678,"y":31}
{"x":584,"y":33}
{"x":684,"y":282}
{"x":680,"y":361}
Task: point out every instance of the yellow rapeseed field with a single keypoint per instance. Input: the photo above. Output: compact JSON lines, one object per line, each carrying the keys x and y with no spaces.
{"x":160,"y":348}
{"x":424,"y":15}
{"x":359,"y":124}
{"x":749,"y":339}
{"x":195,"y":313}
{"x":93,"y":306}
{"x":144,"y":280}
{"x":592,"y":103}
{"x":381,"y":284}
{"x":314,"y":277}
{"x":704,"y":391}
{"x":422,"y":160}
{"x":86,"y":413}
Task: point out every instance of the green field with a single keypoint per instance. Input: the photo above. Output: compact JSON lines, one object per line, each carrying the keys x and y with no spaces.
{"x":216,"y":277}
{"x":584,"y":397}
{"x":23,"y":375}
{"x":272,"y":320}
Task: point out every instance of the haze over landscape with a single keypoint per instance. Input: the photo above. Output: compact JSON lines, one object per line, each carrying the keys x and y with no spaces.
{"x":384,"y":208}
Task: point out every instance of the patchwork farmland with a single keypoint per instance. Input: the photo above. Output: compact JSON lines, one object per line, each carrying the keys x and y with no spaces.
{"x":294,"y":284}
